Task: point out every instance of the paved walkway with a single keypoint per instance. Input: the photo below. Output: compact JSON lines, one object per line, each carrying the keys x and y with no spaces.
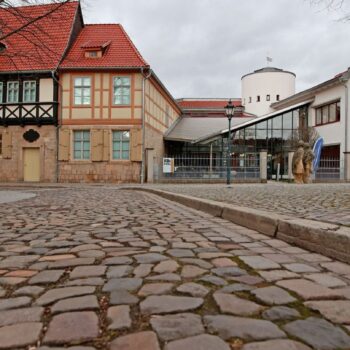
{"x":13,"y":196}
{"x":103,"y":268}
{"x":324,"y":202}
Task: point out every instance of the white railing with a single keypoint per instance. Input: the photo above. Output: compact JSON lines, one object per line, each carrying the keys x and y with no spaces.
{"x":330,"y":169}
{"x":208,"y":169}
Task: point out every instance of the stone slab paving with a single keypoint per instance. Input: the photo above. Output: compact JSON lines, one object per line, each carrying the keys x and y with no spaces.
{"x":103,"y":268}
{"x":323,"y":202}
{"x":14,"y":196}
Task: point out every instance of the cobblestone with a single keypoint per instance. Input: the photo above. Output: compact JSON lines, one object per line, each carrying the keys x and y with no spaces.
{"x":323,"y":202}
{"x":72,"y":327}
{"x":106,"y":268}
{"x":119,"y":317}
{"x":171,"y":327}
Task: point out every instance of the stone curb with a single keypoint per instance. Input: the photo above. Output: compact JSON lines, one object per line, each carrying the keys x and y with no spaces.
{"x":320,"y":237}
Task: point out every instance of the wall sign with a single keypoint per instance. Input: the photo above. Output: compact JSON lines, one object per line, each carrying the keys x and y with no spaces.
{"x":168,"y":165}
{"x":31,"y":135}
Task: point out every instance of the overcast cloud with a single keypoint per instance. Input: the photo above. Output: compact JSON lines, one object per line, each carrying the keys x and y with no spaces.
{"x":201,"y":48}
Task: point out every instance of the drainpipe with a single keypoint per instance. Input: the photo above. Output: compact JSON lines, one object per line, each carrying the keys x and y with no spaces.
{"x":58,"y":126}
{"x":143,"y":116}
{"x":344,"y":79}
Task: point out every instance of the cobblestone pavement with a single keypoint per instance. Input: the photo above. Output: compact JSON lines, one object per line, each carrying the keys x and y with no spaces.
{"x":103,"y":268}
{"x":324,"y":202}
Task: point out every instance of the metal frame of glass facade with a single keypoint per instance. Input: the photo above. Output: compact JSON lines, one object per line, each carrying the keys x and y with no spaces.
{"x":277,"y":135}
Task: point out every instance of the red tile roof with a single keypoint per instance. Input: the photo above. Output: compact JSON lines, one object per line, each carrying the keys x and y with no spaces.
{"x":206,"y":103}
{"x":120,"y":53}
{"x":41,"y":45}
{"x":97,"y":44}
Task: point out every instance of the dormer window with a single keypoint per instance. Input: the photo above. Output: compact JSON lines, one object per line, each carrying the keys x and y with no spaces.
{"x":93,"y":53}
{"x":95,"y":49}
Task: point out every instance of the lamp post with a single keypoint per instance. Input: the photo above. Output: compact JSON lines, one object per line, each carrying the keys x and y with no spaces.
{"x":230,"y":110}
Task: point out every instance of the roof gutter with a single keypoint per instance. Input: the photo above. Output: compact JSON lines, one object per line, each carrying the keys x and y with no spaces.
{"x":27,"y":72}
{"x":344,"y":80}
{"x":305,"y":94}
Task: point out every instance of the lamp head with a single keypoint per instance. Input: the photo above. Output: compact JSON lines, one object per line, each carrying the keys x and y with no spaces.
{"x":230,"y":109}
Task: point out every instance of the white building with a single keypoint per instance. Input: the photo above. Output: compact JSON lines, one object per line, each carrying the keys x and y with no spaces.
{"x":265,"y":86}
{"x":278,"y":125}
{"x":329,"y":113}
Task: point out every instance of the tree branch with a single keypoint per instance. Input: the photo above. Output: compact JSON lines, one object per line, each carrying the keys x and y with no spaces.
{"x":30,"y":20}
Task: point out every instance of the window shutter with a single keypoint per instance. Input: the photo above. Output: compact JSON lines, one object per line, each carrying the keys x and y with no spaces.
{"x":64,"y":143}
{"x":136,"y":145}
{"x":7,"y":145}
{"x":106,"y":145}
{"x":97,"y":145}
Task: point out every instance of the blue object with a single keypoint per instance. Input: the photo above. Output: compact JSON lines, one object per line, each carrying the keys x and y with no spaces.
{"x":317,"y":152}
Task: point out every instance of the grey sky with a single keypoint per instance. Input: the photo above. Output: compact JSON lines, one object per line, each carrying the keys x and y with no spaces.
{"x":201,"y":48}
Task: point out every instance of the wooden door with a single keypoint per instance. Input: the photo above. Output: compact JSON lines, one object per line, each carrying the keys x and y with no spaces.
{"x":31,"y":164}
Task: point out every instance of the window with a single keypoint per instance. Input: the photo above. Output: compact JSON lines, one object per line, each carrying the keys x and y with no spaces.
{"x":29,"y":91}
{"x":258,"y":98}
{"x":250,"y":100}
{"x":318,"y":116}
{"x":328,"y":114}
{"x":1,"y":91}
{"x":93,"y":54}
{"x":121,"y":91}
{"x":82,"y":91}
{"x":12,"y":91}
{"x":267,"y":97}
{"x":332,"y":113}
{"x":82,"y":145}
{"x":277,"y":97}
{"x":121,"y":145}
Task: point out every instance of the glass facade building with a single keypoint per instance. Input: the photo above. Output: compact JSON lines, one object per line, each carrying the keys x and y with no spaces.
{"x":277,"y":134}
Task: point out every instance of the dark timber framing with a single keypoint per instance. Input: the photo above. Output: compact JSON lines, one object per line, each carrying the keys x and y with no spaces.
{"x":28,"y":113}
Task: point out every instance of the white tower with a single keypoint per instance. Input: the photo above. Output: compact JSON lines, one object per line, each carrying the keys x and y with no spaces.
{"x":265,"y":86}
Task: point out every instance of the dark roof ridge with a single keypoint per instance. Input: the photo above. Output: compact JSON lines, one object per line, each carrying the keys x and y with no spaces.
{"x":268,"y":70}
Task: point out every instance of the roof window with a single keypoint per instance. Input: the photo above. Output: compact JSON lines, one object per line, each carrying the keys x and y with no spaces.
{"x":95,"y":49}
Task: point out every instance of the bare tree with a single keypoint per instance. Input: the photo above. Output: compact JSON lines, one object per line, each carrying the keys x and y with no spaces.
{"x":333,"y":5}
{"x":30,"y":26}
{"x":26,"y":21}
{"x":306,"y":134}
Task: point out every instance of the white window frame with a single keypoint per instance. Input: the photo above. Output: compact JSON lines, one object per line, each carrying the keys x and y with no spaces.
{"x":1,"y":91}
{"x":32,"y":90}
{"x":85,"y":91}
{"x":82,"y":141}
{"x":12,"y":91}
{"x":125,"y":94}
{"x":121,"y":141}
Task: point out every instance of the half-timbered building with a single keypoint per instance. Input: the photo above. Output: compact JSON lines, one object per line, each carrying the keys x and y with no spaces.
{"x":78,"y":103}
{"x":114,"y":109}
{"x":30,"y":54}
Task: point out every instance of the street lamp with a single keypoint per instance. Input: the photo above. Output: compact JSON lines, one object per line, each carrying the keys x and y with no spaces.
{"x":230,"y":111}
